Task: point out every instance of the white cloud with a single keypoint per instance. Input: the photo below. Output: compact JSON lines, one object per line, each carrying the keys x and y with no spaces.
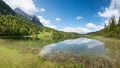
{"x":27,"y":6}
{"x":78,"y":18}
{"x":95,"y":44}
{"x":112,"y":10}
{"x":109,"y":13}
{"x":58,"y":19}
{"x":42,"y":10}
{"x":47,"y":49}
{"x":76,"y":29}
{"x":95,"y":27}
{"x":46,"y":22}
{"x":90,"y":27}
{"x":77,"y":41}
{"x":118,"y":5}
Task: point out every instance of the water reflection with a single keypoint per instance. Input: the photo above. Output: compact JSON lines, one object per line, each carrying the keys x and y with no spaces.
{"x":77,"y":47}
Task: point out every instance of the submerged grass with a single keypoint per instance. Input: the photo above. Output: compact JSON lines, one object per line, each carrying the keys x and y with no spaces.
{"x":110,"y":60}
{"x":25,"y":54}
{"x":11,"y":58}
{"x":112,"y":46}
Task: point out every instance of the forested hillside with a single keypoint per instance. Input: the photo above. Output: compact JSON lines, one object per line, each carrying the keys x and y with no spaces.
{"x":110,"y":30}
{"x":5,"y":9}
{"x":12,"y":24}
{"x":47,"y":32}
{"x":31,"y":18}
{"x":16,"y":26}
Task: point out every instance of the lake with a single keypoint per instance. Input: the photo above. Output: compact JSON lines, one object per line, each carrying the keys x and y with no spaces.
{"x":74,"y":47}
{"x":51,"y":52}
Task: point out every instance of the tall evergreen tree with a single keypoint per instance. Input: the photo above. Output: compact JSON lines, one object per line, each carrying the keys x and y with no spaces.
{"x":105,"y":25}
{"x":112,"y":24}
{"x":119,"y":21}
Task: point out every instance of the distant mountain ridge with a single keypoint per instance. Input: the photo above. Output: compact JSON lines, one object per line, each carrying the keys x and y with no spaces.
{"x":5,"y":9}
{"x":33,"y":18}
{"x":21,"y":24}
{"x":13,"y":24}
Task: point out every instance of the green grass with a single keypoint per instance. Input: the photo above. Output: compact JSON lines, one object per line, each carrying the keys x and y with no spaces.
{"x":113,"y":48}
{"x":21,"y":54}
{"x":25,"y":54}
{"x":12,"y":58}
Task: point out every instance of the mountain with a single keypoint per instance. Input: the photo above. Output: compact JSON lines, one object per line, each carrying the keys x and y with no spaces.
{"x":22,"y":24}
{"x":19,"y":11}
{"x":5,"y":9}
{"x":12,"y":24}
{"x":33,"y":18}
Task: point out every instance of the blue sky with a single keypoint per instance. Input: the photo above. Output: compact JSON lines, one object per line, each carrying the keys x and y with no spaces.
{"x":81,"y":16}
{"x":69,"y":10}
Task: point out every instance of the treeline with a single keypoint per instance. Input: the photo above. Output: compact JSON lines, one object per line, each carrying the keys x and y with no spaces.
{"x":110,"y":30}
{"x":58,"y":34}
{"x":13,"y":25}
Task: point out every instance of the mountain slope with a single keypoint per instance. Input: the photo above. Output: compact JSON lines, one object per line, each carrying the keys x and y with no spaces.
{"x":5,"y":9}
{"x":33,"y":18}
{"x":11,"y":24}
{"x":111,"y":30}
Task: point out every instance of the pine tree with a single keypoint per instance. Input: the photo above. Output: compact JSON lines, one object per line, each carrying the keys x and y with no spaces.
{"x":105,"y":25}
{"x":112,"y":24}
{"x":119,"y":21}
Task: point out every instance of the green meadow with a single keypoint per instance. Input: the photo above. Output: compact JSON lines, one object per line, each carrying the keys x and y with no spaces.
{"x":76,"y":43}
{"x":25,"y":53}
{"x":17,"y":53}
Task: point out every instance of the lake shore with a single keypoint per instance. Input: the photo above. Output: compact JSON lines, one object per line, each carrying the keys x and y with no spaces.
{"x":25,"y":56}
{"x":113,"y":47}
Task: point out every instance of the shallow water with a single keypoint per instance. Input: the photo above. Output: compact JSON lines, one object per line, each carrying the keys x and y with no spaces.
{"x":74,"y":47}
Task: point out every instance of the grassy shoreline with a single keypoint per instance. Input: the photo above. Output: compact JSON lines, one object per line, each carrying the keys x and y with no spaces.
{"x":113,"y":47}
{"x":15,"y":59}
{"x":27,"y":56}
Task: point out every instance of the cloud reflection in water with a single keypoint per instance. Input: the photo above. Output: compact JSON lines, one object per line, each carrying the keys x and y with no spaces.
{"x":80,"y":46}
